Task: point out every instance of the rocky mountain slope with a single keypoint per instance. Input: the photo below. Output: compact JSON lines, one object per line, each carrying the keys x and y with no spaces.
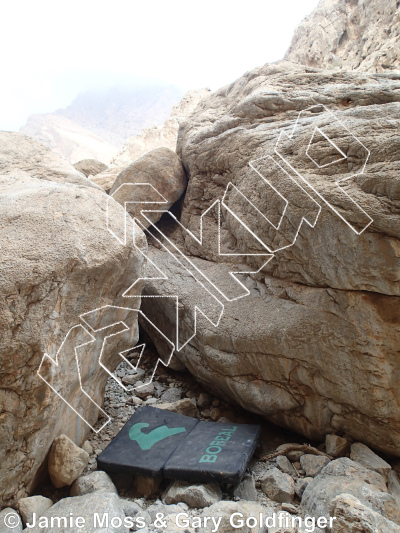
{"x":68,"y":139}
{"x":349,"y":34}
{"x":118,"y":113}
{"x":97,"y":123}
{"x":162,"y":136}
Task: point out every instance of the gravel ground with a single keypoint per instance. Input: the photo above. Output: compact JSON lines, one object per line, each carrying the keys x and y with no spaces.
{"x":168,"y":385}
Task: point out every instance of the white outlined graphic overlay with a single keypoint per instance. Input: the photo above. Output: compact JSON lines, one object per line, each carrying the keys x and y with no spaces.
{"x":324,"y":154}
{"x":312,"y":159}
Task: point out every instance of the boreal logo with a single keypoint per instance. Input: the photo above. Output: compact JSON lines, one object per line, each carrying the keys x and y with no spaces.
{"x":147,"y":440}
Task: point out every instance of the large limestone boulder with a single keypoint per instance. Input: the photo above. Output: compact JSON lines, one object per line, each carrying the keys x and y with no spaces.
{"x":342,"y":34}
{"x":26,"y":156}
{"x":311,"y":341}
{"x":57,"y":263}
{"x":159,"y":174}
{"x":90,"y":167}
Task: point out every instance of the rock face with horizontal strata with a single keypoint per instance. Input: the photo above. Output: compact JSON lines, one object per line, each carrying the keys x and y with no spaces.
{"x":314,"y":345}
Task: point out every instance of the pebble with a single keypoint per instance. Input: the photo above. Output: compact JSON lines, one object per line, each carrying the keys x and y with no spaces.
{"x":144,"y":391}
{"x":290,"y":508}
{"x":278,"y":486}
{"x":87,"y":447}
{"x":215,"y":413}
{"x":203,"y":400}
{"x":283,"y":463}
{"x":151,"y":401}
{"x":136,"y":401}
{"x":336,"y":446}
{"x":313,"y":464}
{"x":173,"y":394}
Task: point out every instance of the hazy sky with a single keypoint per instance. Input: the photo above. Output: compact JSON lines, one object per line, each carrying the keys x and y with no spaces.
{"x":53,"y":50}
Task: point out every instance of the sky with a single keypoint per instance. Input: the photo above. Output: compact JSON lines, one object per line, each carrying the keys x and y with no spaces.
{"x":53,"y":50}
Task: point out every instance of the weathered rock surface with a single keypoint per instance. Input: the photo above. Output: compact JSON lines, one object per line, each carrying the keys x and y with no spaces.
{"x":283,"y":463}
{"x":185,"y":407}
{"x":336,"y":446}
{"x":354,"y":517}
{"x":57,"y":262}
{"x":130,"y":508}
{"x":313,"y":464}
{"x":173,"y":394}
{"x":278,"y":486}
{"x":302,"y":347}
{"x":194,"y":495}
{"x":394,"y":486}
{"x":143,"y":391}
{"x":363,"y":455}
{"x":97,"y":481}
{"x":10,"y":521}
{"x":106,"y":179}
{"x":165,"y":509}
{"x":344,"y":34}
{"x":87,"y":447}
{"x":162,"y":172}
{"x":22,"y":156}
{"x":346,"y":476}
{"x":101,"y":512}
{"x":246,"y":489}
{"x":66,"y":461}
{"x":33,"y":504}
{"x":90,"y":167}
{"x":301,"y":484}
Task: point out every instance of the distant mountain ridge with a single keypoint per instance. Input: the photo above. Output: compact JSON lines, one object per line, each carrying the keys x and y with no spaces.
{"x":68,"y":139}
{"x":164,"y":135}
{"x":97,"y":123}
{"x":118,"y":113}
